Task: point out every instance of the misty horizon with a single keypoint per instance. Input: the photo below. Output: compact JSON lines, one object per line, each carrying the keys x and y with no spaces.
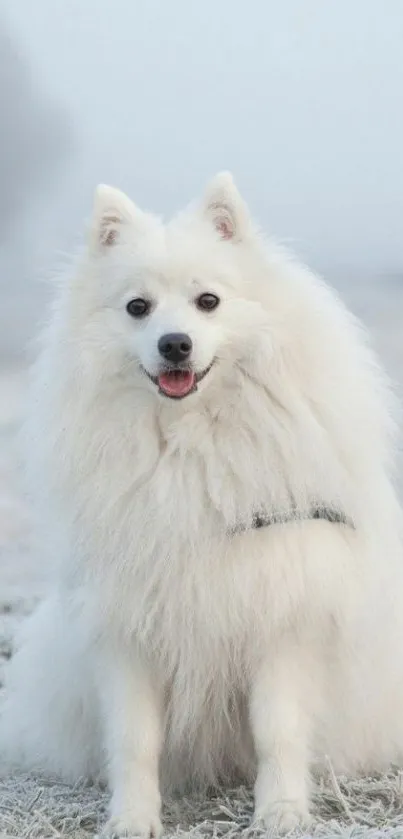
{"x":300,"y":101}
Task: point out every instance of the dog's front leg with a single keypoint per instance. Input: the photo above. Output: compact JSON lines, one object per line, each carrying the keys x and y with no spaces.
{"x":133,"y":727}
{"x":281,"y":730}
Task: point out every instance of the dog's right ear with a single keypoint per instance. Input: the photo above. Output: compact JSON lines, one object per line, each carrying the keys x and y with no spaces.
{"x":113,"y":211}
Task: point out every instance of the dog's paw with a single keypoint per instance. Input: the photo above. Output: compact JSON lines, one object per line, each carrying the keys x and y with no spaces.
{"x":132,"y":824}
{"x":283,"y":817}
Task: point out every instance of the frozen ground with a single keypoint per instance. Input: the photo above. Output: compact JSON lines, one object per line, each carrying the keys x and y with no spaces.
{"x":38,"y":807}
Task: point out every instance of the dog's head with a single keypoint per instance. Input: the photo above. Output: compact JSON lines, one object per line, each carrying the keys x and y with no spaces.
{"x":176,"y":303}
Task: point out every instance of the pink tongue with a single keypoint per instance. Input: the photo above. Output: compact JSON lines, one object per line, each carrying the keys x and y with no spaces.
{"x":178,"y":383}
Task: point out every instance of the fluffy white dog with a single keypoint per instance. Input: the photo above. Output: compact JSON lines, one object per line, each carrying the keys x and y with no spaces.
{"x":211,"y":444}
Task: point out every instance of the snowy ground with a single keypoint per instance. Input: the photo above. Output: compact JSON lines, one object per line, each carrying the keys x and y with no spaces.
{"x":38,"y":807}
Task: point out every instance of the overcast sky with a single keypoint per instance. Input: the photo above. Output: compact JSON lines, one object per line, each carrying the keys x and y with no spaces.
{"x":301,"y":99}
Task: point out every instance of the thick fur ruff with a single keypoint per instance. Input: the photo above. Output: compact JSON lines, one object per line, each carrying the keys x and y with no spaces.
{"x":253,"y":649}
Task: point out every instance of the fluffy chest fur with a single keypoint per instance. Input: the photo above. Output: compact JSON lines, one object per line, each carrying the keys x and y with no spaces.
{"x":199,"y":474}
{"x":154,"y":502}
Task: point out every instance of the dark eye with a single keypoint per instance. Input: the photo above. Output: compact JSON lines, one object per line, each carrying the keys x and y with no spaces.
{"x":207,"y":302}
{"x":138,"y":307}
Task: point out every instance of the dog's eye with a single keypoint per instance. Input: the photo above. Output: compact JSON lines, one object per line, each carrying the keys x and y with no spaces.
{"x":207,"y":302}
{"x":138,"y":307}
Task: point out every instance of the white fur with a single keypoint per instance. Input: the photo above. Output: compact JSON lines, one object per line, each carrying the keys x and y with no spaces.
{"x":170,"y":645}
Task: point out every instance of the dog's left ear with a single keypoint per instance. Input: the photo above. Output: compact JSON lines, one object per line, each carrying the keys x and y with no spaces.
{"x":224,"y":206}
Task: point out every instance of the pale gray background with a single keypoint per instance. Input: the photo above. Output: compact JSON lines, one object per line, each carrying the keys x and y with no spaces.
{"x":302,"y":100}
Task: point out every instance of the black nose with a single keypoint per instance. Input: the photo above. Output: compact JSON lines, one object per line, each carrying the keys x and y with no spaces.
{"x":175,"y":347}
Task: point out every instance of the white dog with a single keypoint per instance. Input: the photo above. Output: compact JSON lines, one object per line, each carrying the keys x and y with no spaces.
{"x":214,"y":444}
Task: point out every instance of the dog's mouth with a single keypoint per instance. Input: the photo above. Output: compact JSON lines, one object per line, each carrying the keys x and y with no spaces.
{"x":178,"y":382}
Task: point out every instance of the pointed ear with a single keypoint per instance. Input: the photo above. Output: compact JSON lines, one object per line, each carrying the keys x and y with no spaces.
{"x":113,"y":210}
{"x":225,"y":208}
